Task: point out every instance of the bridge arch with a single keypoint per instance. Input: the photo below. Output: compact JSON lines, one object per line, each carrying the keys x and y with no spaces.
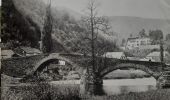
{"x":49,"y":59}
{"x":128,"y":66}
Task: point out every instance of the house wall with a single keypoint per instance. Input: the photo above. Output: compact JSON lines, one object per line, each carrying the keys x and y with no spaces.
{"x":118,"y":57}
{"x":136,"y":42}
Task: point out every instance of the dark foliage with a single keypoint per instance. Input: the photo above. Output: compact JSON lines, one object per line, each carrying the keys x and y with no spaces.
{"x":168,"y":37}
{"x":46,"y":33}
{"x":17,"y":27}
{"x":156,"y":36}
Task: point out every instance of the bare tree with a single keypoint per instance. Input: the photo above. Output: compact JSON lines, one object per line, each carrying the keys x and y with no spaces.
{"x":95,"y":25}
{"x":46,"y":38}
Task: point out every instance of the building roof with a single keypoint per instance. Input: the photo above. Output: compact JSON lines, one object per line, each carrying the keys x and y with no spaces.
{"x":7,"y":52}
{"x":132,"y":38}
{"x":114,"y":54}
{"x":149,"y":47}
{"x":30,"y":50}
{"x":157,"y":54}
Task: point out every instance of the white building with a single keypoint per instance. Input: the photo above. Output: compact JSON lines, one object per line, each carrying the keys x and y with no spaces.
{"x":156,"y":56}
{"x":7,"y":54}
{"x":118,"y":55}
{"x":133,"y":43}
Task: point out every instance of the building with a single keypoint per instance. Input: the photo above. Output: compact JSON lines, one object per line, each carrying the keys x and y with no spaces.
{"x":156,"y":56}
{"x":151,"y":47}
{"x":147,"y":59}
{"x":27,"y":51}
{"x":7,"y":54}
{"x":133,"y":43}
{"x":118,"y":55}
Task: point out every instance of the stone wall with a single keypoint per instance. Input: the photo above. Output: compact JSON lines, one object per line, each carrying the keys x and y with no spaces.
{"x":20,"y":66}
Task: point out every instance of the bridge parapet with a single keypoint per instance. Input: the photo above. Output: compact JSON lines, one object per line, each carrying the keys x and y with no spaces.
{"x":20,"y":66}
{"x":109,"y":65}
{"x":24,"y":65}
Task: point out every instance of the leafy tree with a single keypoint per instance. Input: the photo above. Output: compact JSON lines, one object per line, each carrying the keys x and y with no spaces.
{"x":47,"y":30}
{"x":156,"y":36}
{"x":131,"y":35}
{"x":123,"y":42}
{"x":168,"y":48}
{"x":142,"y":33}
{"x":168,"y":37}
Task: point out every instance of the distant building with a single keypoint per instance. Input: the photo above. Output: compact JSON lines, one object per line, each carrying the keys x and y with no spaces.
{"x":118,"y":55}
{"x":7,"y":54}
{"x":151,"y":47}
{"x":156,"y":56}
{"x":27,"y":51}
{"x":133,"y":58}
{"x":147,"y":59}
{"x":136,"y":42}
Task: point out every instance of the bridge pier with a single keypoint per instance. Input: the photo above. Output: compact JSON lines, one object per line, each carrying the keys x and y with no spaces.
{"x":91,"y":84}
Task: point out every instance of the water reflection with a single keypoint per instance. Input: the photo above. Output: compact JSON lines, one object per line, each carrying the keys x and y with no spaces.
{"x":118,"y":86}
{"x":126,"y":89}
{"x":111,"y":87}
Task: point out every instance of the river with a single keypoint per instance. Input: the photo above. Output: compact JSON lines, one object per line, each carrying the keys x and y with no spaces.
{"x":121,"y":86}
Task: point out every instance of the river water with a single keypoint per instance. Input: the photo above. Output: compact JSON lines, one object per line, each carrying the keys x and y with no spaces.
{"x":121,"y":86}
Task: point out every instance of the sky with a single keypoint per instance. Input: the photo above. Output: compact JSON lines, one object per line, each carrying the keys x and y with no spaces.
{"x":138,"y":8}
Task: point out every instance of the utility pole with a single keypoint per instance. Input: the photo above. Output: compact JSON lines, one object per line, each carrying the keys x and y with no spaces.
{"x":162,"y":54}
{"x":161,"y":51}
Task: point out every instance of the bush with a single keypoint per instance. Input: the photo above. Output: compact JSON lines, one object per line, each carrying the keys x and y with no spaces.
{"x":41,"y":91}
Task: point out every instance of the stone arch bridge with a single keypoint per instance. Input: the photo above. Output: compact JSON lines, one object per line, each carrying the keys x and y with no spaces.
{"x":20,"y":67}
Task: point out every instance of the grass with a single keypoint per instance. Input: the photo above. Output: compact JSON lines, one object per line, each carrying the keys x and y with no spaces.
{"x":44,"y":91}
{"x":150,"y":95}
{"x":40,"y":91}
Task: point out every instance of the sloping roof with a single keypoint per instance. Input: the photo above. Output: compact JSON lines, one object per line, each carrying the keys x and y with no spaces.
{"x":133,"y":38}
{"x":7,"y":52}
{"x":114,"y":54}
{"x":30,"y":50}
{"x":149,"y":47}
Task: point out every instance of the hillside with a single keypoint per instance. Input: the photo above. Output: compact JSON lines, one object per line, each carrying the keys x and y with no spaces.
{"x":67,"y":29}
{"x":124,"y":25}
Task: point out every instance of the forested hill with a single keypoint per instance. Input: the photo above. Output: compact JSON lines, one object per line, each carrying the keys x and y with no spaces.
{"x":17,"y":27}
{"x":26,"y":21}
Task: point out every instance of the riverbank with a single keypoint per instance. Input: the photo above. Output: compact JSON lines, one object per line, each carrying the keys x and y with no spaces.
{"x":150,"y":95}
{"x":45,"y":91}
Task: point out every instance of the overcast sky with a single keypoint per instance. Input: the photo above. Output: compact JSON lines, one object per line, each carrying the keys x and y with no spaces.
{"x":138,"y":8}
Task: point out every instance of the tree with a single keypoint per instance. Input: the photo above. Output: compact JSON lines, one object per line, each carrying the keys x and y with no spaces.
{"x":142,"y":33}
{"x":47,"y":30}
{"x":168,"y":37}
{"x":156,"y":36}
{"x":131,"y":35}
{"x":123,"y":42}
{"x":16,"y":27}
{"x":94,"y":25}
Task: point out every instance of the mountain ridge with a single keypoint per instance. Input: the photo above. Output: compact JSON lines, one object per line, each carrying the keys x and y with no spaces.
{"x":126,"y":25}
